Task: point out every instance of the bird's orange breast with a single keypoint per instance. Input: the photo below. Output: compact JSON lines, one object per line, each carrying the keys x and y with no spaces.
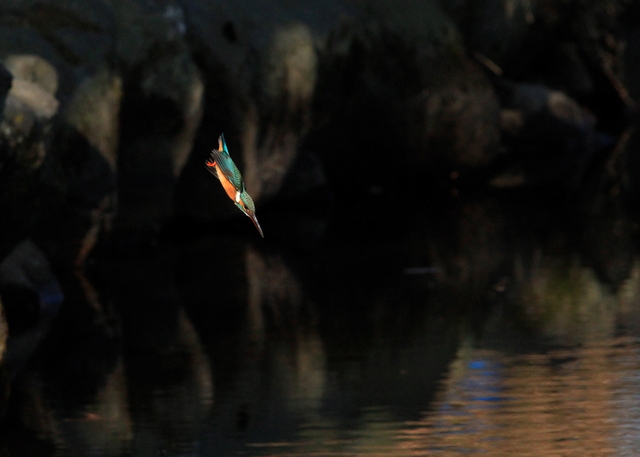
{"x":226,"y":184}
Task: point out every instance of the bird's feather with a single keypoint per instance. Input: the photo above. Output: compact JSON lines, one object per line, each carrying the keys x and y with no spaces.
{"x":228,"y":168}
{"x":211,"y":166}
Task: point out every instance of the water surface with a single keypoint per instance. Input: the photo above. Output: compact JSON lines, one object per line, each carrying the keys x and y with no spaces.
{"x":464,"y":329}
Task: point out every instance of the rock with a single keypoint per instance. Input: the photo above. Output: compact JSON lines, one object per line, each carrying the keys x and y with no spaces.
{"x":388,"y":117}
{"x":353,"y":83}
{"x":29,"y":108}
{"x":550,"y":138}
{"x":259,"y":86}
{"x":64,"y":95}
{"x":27,"y":268}
{"x":492,"y":28}
{"x":533,"y":99}
{"x":94,"y":111}
{"x":282,"y":112}
{"x":384,"y":94}
{"x":573,"y":46}
{"x":161,"y":110}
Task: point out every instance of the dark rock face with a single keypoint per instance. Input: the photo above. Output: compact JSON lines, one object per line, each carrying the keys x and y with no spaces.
{"x":573,"y":46}
{"x":58,"y":128}
{"x":259,"y":84}
{"x":421,"y":111}
{"x":114,"y":106}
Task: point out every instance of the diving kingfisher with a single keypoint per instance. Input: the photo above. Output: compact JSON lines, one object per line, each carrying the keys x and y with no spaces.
{"x":222,"y":167}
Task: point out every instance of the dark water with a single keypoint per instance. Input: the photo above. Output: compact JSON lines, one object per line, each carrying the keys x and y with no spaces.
{"x":478,"y":327}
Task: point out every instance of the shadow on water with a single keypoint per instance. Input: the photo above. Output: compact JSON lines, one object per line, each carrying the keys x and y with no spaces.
{"x":467,"y":327}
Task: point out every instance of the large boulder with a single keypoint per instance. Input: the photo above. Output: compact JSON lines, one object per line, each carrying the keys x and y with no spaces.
{"x":573,"y":46}
{"x":161,"y":110}
{"x":399,"y":103}
{"x":260,"y":77}
{"x":380,"y":92}
{"x":60,"y":127}
{"x":382,"y":96}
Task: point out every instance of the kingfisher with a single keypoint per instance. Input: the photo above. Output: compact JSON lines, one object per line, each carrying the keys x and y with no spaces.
{"x":222,"y":167}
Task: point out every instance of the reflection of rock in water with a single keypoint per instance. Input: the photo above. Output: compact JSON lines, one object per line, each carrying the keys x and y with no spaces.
{"x":629,"y":296}
{"x":171,"y":388}
{"x":572,"y":268}
{"x":565,"y":299}
{"x":31,"y":299}
{"x":72,"y":395}
{"x":101,"y":425}
{"x":275,"y":295}
{"x":278,"y":361}
{"x":169,"y":376}
{"x":282,"y":321}
{"x":92,"y":391}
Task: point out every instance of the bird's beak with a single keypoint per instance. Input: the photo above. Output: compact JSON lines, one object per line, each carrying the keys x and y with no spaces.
{"x":251,"y":216}
{"x":254,"y":219}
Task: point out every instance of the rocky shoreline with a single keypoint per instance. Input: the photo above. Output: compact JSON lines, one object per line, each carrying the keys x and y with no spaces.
{"x":111,"y":107}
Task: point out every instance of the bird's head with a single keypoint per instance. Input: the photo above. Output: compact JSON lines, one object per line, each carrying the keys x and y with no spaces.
{"x":246,"y":205}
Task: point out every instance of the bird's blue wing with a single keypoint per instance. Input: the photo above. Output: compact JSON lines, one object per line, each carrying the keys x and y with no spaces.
{"x":228,"y":168}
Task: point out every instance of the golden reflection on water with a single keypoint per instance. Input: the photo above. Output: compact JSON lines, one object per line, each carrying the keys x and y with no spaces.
{"x":561,"y":402}
{"x":578,"y":401}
